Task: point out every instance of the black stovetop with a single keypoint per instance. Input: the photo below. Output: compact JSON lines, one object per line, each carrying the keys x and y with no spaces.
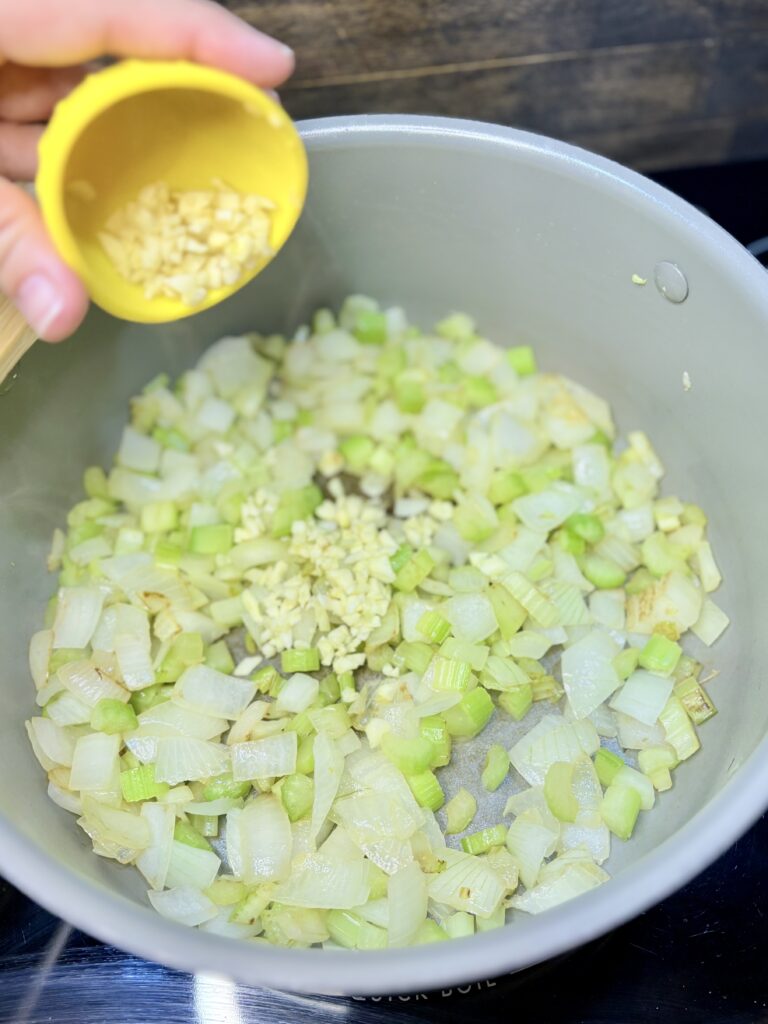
{"x":697,"y":957}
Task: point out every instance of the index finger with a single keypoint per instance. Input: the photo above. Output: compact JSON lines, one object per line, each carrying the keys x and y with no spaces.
{"x":53,"y":33}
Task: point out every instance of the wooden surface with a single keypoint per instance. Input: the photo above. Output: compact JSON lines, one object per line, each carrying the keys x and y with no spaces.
{"x":653,"y":83}
{"x":16,"y":336}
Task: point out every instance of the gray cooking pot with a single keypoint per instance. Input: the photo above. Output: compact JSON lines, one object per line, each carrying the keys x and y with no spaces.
{"x":540,"y":241}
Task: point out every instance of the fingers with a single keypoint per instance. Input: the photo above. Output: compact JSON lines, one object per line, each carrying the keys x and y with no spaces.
{"x":30,"y":94}
{"x":18,"y":150}
{"x":45,"y":291}
{"x":49,"y":32}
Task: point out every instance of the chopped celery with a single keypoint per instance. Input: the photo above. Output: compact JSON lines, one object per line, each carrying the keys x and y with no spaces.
{"x":456,"y":327}
{"x":459,"y":811}
{"x":186,"y":649}
{"x":434,"y":729}
{"x":297,"y":793}
{"x":558,"y":791}
{"x":460,"y":924}
{"x":479,"y":392}
{"x":505,"y":486}
{"x":522,"y":360}
{"x":470,"y":715}
{"x":588,"y":527}
{"x":414,"y":655}
{"x":434,"y":627}
{"x":226,"y":892}
{"x":484,"y":840}
{"x":439,"y":481}
{"x":95,"y":483}
{"x":305,"y":755}
{"x":639,"y":581}
{"x":474,"y":655}
{"x":159,"y":516}
{"x":401,"y":557}
{"x":150,"y":697}
{"x":659,"y":555}
{"x":603,"y":572}
{"x":571,"y":543}
{"x":371,"y":327}
{"x":695,"y":700}
{"x":185,"y":832}
{"x":225,"y":786}
{"x":307,"y":660}
{"x":546,"y":687}
{"x":657,"y":763}
{"x":660,"y":655}
{"x":293,"y":507}
{"x":607,"y":764}
{"x":430,"y":931}
{"x":619,"y":809}
{"x":139,"y":784}
{"x":357,"y":451}
{"x":426,"y":789}
{"x":219,"y":658}
{"x":475,"y":519}
{"x":411,"y":755}
{"x":206,"y":824}
{"x":678,"y":728}
{"x":113,"y":716}
{"x":409,"y":392}
{"x":414,"y":572}
{"x":495,"y":768}
{"x":265,"y":678}
{"x":626,"y":662}
{"x":509,"y":613}
{"x":211,"y":540}
{"x":517,"y":701}
{"x":448,"y":674}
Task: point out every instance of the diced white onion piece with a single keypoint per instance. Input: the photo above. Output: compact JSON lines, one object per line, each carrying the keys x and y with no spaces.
{"x":77,"y":613}
{"x":552,"y":739}
{"x":153,"y":861}
{"x":232,"y":836}
{"x":95,"y":762}
{"x":576,"y":880}
{"x":183,"y":759}
{"x":134,"y":660}
{"x":643,"y":696}
{"x":125,"y":829}
{"x":261,"y":759}
{"x":139,"y":452}
{"x":407,"y":897}
{"x":530,"y":839}
{"x":527,"y":544}
{"x":589,"y":677}
{"x":549,"y":508}
{"x":56,"y":742}
{"x":184,"y":905}
{"x":39,"y":655}
{"x":66,"y":709}
{"x":471,"y":617}
{"x":591,"y":467}
{"x":215,"y":693}
{"x":191,"y":866}
{"x":65,"y":798}
{"x":673,"y":599}
{"x":171,"y":718}
{"x":635,"y":735}
{"x":329,"y":765}
{"x":318,"y":880}
{"x":467,"y":884}
{"x":711,"y":623}
{"x":297,"y":693}
{"x":90,"y":684}
{"x":265,"y":840}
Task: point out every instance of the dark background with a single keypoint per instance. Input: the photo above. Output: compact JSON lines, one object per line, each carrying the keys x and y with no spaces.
{"x":654,"y":84}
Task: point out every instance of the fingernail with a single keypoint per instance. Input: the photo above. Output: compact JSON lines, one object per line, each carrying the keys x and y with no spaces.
{"x":287,"y":51}
{"x":39,"y":302}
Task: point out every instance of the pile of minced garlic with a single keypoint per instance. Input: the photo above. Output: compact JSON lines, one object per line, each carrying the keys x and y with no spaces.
{"x":183,"y":244}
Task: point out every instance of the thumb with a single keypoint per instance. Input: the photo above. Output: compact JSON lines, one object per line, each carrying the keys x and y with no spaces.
{"x":46,"y":292}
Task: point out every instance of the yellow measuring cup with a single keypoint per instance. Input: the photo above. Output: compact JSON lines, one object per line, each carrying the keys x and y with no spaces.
{"x":139,"y":122}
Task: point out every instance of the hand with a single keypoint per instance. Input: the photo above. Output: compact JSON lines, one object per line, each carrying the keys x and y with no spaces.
{"x":43,"y":46}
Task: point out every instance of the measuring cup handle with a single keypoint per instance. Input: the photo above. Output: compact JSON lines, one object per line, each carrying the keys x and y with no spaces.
{"x":16,"y":336}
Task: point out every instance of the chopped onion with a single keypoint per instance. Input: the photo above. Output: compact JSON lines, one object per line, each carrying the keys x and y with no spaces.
{"x":261,"y":759}
{"x":183,"y":905}
{"x":214,"y":692}
{"x":265,"y":841}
